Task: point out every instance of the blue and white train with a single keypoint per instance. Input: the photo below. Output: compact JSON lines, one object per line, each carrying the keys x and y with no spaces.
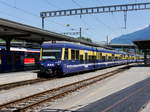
{"x":65,"y":58}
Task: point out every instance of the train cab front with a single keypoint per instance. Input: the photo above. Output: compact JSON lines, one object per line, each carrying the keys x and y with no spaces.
{"x":50,"y":64}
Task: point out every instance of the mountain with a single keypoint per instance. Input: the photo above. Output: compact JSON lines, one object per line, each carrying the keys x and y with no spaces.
{"x":143,"y":34}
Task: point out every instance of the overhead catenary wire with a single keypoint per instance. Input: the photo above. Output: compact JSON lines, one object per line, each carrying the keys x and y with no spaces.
{"x":24,"y":11}
{"x":21,"y":19}
{"x":100,"y":21}
{"x":53,"y":5}
{"x":50,"y":4}
{"x":112,"y":14}
{"x":104,"y":24}
{"x":17,"y":8}
{"x":125,"y":15}
{"x":97,"y":19}
{"x":115,"y":20}
{"x":75,"y":2}
{"x":11,"y":15}
{"x":37,"y":16}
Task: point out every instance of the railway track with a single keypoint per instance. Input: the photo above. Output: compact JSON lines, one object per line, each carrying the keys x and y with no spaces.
{"x":32,"y":102}
{"x":21,"y":83}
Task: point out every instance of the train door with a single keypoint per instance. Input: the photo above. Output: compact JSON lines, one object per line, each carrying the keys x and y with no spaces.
{"x":97,"y":59}
{"x":11,"y":61}
{"x":81,"y":56}
{"x":18,"y":63}
{"x":0,"y":62}
{"x":86,"y":58}
{"x":6,"y":61}
{"x":65,"y":59}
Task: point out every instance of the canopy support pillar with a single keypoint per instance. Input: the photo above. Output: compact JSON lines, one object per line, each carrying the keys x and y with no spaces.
{"x":145,"y":57}
{"x":8,"y":43}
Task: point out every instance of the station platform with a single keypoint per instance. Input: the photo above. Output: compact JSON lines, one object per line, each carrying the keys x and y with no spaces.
{"x":11,"y":77}
{"x":126,"y":92}
{"x":6,"y":78}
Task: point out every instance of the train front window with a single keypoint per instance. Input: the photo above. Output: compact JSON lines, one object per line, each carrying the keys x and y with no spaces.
{"x":51,"y":53}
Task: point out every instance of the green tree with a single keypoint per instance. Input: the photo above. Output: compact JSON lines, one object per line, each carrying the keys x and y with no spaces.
{"x":1,"y":40}
{"x":85,"y":39}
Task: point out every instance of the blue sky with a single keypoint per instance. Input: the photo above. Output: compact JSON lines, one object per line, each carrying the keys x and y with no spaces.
{"x":96,"y":26}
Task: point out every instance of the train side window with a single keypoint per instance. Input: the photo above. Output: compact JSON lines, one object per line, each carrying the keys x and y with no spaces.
{"x":8,"y":58}
{"x":106,"y":57}
{"x":96,"y":55}
{"x":86,"y":56}
{"x":90,"y":58}
{"x":103,"y":58}
{"x":100,"y":56}
{"x":0,"y":59}
{"x":66,"y":54}
{"x":113,"y":56}
{"x":81,"y":57}
{"x":77,"y":54}
{"x":109,"y":58}
{"x":72,"y":54}
{"x":93,"y":58}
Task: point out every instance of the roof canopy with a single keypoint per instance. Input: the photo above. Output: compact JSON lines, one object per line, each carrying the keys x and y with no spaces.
{"x":122,"y":45}
{"x":14,"y":30}
{"x":143,"y":44}
{"x":25,"y":32}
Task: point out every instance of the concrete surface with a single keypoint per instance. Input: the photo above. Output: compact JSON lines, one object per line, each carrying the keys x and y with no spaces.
{"x":130,"y":99}
{"x":6,"y":78}
{"x":19,"y":92}
{"x":145,"y":108}
{"x":100,"y":90}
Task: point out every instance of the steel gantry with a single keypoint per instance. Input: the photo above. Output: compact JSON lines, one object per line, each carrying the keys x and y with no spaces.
{"x":94,"y":10}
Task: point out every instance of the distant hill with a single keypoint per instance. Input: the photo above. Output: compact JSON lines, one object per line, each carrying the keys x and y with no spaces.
{"x":143,"y":34}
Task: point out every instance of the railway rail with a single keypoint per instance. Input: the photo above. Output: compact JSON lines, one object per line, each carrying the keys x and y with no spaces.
{"x":21,"y":83}
{"x":32,"y":102}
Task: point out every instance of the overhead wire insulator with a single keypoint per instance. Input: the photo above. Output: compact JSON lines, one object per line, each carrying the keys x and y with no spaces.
{"x":80,"y":16}
{"x":125,"y":19}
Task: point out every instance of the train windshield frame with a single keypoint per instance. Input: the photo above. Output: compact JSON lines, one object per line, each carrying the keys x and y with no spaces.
{"x":51,"y":53}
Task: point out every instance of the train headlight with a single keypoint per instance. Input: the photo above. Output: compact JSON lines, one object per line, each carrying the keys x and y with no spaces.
{"x":50,"y":64}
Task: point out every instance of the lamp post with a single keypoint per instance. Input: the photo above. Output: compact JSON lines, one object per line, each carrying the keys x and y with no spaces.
{"x":80,"y":32}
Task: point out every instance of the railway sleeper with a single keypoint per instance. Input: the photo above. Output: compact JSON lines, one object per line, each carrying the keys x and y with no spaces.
{"x":40,"y":97}
{"x":9,"y":109}
{"x":61,"y":91}
{"x":28,"y":102}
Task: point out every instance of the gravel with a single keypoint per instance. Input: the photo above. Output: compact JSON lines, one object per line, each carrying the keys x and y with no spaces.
{"x":101,"y":89}
{"x":20,"y":92}
{"x":145,"y":108}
